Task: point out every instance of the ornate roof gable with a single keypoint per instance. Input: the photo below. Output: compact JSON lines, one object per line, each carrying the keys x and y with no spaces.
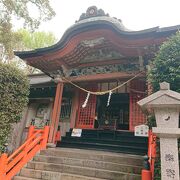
{"x":92,"y":12}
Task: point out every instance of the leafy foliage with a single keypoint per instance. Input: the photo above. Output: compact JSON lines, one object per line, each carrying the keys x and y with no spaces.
{"x":166,"y":65}
{"x":29,"y":41}
{"x":22,"y":9}
{"x":33,"y":40}
{"x":14,"y":90}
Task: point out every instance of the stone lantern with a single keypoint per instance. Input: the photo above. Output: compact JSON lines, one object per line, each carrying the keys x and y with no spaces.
{"x":165,"y":104}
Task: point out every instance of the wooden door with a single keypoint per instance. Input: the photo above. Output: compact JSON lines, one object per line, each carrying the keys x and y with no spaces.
{"x":85,"y":117}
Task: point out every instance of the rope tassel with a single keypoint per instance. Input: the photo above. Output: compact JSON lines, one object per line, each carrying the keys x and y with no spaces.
{"x":85,"y":102}
{"x":109,"y":98}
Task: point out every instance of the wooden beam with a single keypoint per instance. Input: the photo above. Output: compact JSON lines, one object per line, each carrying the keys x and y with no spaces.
{"x":104,"y":77}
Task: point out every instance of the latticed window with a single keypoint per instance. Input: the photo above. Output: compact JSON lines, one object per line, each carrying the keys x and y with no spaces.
{"x":66,"y":108}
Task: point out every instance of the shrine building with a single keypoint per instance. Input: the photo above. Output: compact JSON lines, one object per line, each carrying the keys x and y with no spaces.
{"x":93,"y":77}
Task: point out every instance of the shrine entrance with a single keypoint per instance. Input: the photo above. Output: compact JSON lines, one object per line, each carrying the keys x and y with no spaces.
{"x":86,"y":115}
{"x":122,"y":113}
{"x":97,"y":114}
{"x":116,"y":115}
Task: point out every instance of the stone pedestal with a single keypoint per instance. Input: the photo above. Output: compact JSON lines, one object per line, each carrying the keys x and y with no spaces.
{"x":166,"y":107}
{"x":169,"y":158}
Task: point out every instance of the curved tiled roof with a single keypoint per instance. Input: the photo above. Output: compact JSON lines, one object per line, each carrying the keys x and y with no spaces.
{"x":93,"y":22}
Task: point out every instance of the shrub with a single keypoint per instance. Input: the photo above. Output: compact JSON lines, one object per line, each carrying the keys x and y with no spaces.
{"x":14,"y":90}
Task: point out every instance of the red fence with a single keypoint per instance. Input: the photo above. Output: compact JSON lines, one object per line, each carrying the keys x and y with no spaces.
{"x":36,"y":140}
{"x":148,"y":174}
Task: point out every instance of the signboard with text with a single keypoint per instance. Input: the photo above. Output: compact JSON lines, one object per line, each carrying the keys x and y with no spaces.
{"x":76,"y":132}
{"x":141,"y":130}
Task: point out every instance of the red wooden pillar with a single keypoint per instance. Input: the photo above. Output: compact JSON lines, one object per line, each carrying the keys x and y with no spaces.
{"x":3,"y":165}
{"x":136,"y":116}
{"x":56,"y":112}
{"x":75,"y":105}
{"x":45,"y":137}
{"x":31,"y":131}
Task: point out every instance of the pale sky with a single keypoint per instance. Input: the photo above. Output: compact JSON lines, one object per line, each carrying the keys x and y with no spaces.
{"x":135,"y":14}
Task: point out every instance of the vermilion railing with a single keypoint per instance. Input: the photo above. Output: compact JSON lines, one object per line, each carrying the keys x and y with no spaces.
{"x":152,"y":151}
{"x":148,"y":174}
{"x":36,"y":140}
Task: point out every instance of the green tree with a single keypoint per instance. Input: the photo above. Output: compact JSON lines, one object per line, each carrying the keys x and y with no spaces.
{"x":14,"y":90}
{"x":33,"y":40}
{"x":166,"y":65}
{"x":21,"y":10}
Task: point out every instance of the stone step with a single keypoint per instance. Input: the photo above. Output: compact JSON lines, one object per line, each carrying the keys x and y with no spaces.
{"x":98,"y":132}
{"x":88,"y":172}
{"x":63,"y":176}
{"x":123,"y":167}
{"x":104,"y":147}
{"x":134,"y":140}
{"x":23,"y":178}
{"x":135,"y":160}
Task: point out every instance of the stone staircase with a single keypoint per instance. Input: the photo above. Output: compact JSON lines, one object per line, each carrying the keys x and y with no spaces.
{"x":106,"y":140}
{"x":80,"y":164}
